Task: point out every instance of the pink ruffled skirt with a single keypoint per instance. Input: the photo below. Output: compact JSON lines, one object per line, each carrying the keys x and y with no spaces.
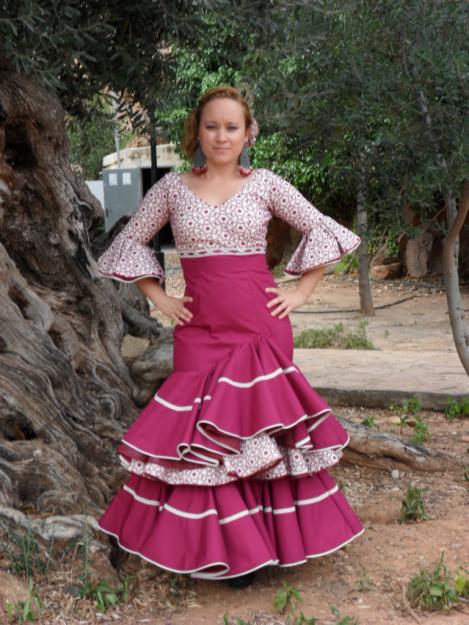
{"x":228,"y":462}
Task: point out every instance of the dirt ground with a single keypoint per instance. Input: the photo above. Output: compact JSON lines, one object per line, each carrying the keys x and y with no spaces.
{"x":365,"y":579}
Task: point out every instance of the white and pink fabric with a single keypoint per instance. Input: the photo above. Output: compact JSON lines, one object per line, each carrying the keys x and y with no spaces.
{"x":228,"y":462}
{"x":237,"y":226}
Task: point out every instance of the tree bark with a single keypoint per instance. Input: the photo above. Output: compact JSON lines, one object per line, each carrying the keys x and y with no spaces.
{"x":65,"y":389}
{"x":451,"y":276}
{"x":454,"y":222}
{"x":364,"y":286}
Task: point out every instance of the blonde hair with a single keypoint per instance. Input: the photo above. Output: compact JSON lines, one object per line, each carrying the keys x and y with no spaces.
{"x":191,"y":124}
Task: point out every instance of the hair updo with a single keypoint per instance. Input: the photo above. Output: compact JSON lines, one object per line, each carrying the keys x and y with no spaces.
{"x":191,"y":125}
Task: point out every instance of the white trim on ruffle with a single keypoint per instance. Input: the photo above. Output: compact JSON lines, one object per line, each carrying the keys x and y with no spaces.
{"x":218,"y":576}
{"x":249,"y":384}
{"x":259,"y":378}
{"x":236,"y":515}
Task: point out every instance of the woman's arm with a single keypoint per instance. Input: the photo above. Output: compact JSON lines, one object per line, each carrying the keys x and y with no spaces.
{"x":287,"y":301}
{"x":172,"y":307}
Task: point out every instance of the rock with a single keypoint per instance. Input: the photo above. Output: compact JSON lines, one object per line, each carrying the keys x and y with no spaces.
{"x":379,"y":257}
{"x":56,"y":531}
{"x":395,"y":474}
{"x":133,"y":346}
{"x":386,"y":272}
{"x":417,"y":254}
{"x":64,"y":528}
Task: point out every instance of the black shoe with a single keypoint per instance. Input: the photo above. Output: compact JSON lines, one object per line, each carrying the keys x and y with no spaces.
{"x":117,"y":556}
{"x":242,"y":580}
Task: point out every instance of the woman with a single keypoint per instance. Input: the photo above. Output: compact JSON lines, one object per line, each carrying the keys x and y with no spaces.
{"x":228,"y":462}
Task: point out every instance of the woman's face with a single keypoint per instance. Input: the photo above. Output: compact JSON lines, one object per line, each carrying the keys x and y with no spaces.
{"x":222,"y":130}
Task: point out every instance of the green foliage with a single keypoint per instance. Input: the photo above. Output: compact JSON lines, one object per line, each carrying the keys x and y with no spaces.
{"x":343,"y":620}
{"x":103,"y":593}
{"x":407,"y":408}
{"x":456,"y":409}
{"x":413,"y":506}
{"x":392,"y":244}
{"x":410,"y":406}
{"x":421,"y":432}
{"x":347,"y":264}
{"x":336,"y":337}
{"x":369,"y":422}
{"x":82,"y":48}
{"x":92,"y":137}
{"x":437,"y":589}
{"x":461,"y":583}
{"x":25,"y":611}
{"x":366,"y":120}
{"x":287,"y":598}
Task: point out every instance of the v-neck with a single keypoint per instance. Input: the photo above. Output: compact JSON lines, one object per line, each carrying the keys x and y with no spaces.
{"x":233,"y":197}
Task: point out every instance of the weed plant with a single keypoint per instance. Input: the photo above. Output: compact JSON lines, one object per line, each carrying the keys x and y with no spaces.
{"x":421,"y":432}
{"x":103,"y":593}
{"x":24,"y":553}
{"x":407,"y":407}
{"x":456,"y":409}
{"x":347,"y":264}
{"x":335,"y":337}
{"x":369,"y":422}
{"x":413,"y":506}
{"x":437,"y":589}
{"x":342,"y":620}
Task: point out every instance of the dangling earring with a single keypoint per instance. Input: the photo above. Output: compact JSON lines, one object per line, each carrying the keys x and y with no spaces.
{"x":199,"y":164}
{"x":244,"y":162}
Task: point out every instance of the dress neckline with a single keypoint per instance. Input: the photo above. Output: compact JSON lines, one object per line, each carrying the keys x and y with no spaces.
{"x":233,"y":197}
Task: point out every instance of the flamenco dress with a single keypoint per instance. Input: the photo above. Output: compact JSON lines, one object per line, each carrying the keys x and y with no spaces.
{"x":228,"y":462}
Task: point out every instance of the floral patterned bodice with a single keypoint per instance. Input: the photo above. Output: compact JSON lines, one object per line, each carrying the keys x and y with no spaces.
{"x":237,"y":226}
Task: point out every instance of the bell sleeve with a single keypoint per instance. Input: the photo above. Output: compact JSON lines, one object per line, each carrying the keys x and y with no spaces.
{"x":324,"y":240}
{"x":130,"y":257}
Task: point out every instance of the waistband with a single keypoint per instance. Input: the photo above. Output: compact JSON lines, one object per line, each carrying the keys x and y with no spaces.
{"x":225,"y":264}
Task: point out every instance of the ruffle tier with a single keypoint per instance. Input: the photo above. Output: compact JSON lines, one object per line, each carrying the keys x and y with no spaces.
{"x":252,"y":415}
{"x":226,"y":531}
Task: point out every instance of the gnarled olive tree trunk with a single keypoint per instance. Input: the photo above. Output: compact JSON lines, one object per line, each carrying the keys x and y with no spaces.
{"x":65,"y":390}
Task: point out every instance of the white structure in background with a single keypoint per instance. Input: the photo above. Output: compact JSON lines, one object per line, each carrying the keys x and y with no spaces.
{"x":97,"y":189}
{"x":127,"y":177}
{"x":141,"y":158}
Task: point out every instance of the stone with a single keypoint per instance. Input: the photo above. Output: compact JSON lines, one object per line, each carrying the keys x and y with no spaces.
{"x":386,"y":272}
